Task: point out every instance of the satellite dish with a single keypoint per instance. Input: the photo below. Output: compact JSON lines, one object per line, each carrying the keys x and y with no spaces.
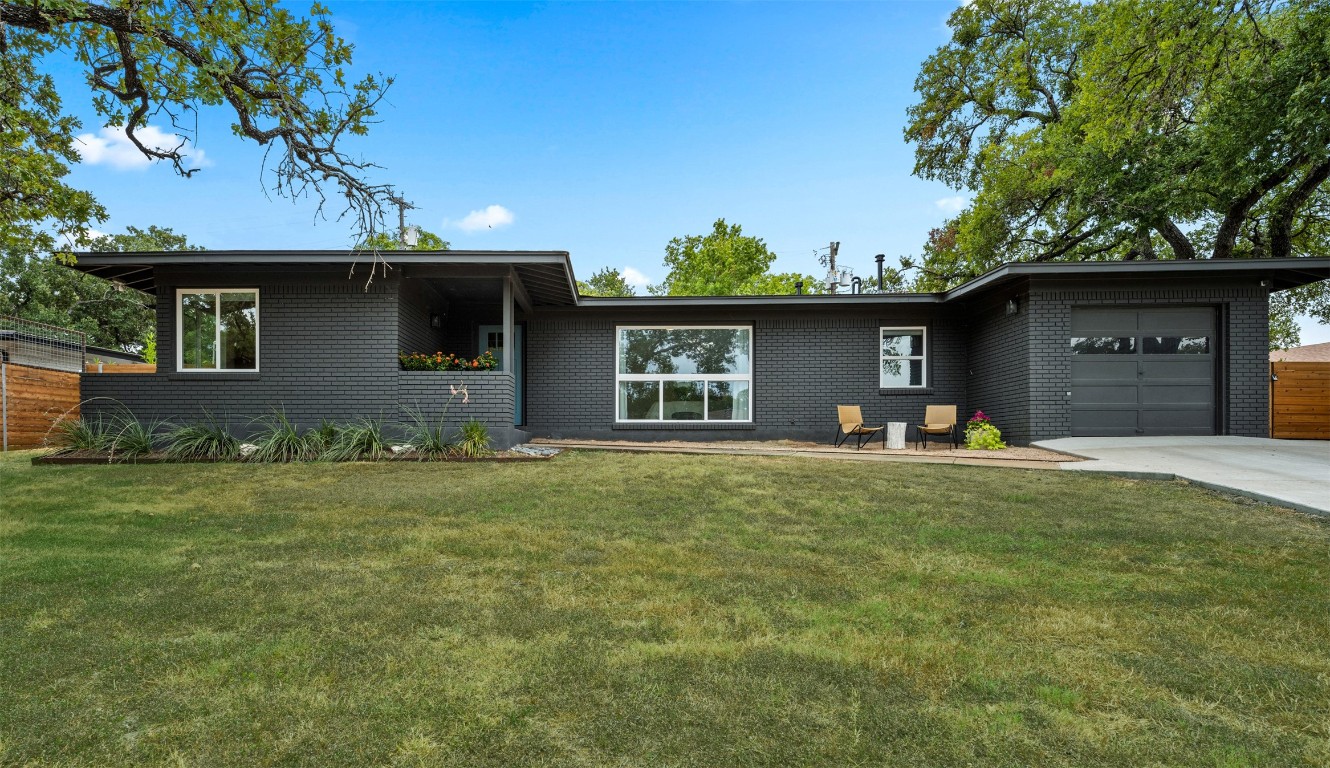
{"x":411,"y":236}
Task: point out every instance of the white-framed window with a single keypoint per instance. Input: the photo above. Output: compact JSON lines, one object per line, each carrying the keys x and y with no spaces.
{"x":904,"y":358}
{"x":217,"y":329}
{"x":683,"y":373}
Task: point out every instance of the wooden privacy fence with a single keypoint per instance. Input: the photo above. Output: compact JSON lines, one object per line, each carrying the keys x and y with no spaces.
{"x":1300,"y":400}
{"x":121,"y":368}
{"x":30,"y":399}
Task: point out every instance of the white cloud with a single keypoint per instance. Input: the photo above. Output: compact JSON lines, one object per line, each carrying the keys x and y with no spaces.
{"x":89,"y":233}
{"x":110,"y":146}
{"x":952,"y":204}
{"x":634,"y":277}
{"x":492,"y":217}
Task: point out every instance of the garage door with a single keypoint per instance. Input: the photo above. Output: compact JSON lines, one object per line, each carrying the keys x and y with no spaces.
{"x":1143,"y":371}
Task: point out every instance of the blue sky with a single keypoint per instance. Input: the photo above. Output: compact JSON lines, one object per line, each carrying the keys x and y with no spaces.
{"x":603,"y":129}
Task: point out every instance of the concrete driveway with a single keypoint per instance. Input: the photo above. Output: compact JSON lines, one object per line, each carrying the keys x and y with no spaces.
{"x":1291,"y":473}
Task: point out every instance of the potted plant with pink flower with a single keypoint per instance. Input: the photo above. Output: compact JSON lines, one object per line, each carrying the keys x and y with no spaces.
{"x":980,"y":434}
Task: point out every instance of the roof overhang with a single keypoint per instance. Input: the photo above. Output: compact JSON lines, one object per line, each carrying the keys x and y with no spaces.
{"x":1282,"y":273}
{"x":783,"y":300}
{"x":545,"y":276}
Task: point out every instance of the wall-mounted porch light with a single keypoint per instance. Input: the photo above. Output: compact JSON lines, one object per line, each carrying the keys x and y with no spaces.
{"x":436,"y":320}
{"x":1013,"y":306}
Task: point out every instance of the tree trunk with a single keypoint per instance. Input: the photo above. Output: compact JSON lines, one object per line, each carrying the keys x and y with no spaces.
{"x":1176,"y":239}
{"x":1231,"y":226}
{"x":1281,"y":221}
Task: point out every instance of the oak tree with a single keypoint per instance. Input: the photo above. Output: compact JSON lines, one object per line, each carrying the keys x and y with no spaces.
{"x":1134,"y":129}
{"x":281,"y":77}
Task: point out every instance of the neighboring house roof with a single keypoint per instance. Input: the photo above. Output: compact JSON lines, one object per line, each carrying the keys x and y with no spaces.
{"x":547,"y":276}
{"x":1312,"y":353}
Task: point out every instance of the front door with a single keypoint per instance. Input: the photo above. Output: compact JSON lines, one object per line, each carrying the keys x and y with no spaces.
{"x":491,"y":340}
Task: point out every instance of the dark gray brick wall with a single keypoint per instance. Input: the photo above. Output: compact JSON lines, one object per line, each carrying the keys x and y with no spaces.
{"x":803,"y":367}
{"x":1243,"y":318}
{"x":489,"y":396}
{"x":416,"y":301}
{"x":998,"y":368}
{"x":328,"y":347}
{"x":327,"y":350}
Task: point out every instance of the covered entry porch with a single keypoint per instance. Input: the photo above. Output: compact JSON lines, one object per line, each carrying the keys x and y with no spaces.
{"x":472,"y":315}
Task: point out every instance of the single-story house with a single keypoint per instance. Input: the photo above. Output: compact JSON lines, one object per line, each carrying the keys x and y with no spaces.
{"x":1045,"y":349}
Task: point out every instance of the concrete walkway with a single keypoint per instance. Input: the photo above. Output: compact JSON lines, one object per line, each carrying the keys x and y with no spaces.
{"x":1291,"y":473}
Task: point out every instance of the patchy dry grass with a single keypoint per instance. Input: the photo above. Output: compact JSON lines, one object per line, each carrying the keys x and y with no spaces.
{"x":614,"y":609}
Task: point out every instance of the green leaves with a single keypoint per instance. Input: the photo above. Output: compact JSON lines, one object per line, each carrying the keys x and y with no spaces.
{"x":283,"y":77}
{"x":1127,"y":129}
{"x":38,"y":286}
{"x":723,"y":263}
{"x":605,"y":282}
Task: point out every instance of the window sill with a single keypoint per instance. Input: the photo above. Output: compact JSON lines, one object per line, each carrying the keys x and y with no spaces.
{"x":684,"y":425}
{"x":213,"y":376}
{"x":906,"y":391}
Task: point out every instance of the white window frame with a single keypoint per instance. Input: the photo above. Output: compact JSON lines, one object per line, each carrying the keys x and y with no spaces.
{"x":619,"y":376}
{"x":217,"y":342}
{"x":885,"y":331}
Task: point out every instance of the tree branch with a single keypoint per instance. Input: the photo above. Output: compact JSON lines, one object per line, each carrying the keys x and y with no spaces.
{"x":1281,"y":219}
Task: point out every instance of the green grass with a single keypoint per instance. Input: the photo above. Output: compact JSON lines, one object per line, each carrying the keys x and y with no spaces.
{"x":658,"y":610}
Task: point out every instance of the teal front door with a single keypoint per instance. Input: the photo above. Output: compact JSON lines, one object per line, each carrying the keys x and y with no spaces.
{"x":491,"y":340}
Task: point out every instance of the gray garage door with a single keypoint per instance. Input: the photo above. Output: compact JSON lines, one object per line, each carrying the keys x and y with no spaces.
{"x":1143,"y":371}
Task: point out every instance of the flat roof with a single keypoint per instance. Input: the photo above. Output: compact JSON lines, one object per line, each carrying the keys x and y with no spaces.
{"x":548,"y":277}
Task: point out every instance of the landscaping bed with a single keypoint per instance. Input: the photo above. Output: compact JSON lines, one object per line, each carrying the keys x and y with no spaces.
{"x":98,"y":457}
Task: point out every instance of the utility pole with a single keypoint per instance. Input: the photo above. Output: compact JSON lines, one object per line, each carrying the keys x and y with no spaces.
{"x":833,"y":276}
{"x":402,"y":207}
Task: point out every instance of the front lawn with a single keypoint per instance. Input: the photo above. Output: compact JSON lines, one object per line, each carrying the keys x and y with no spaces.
{"x":656,"y":610}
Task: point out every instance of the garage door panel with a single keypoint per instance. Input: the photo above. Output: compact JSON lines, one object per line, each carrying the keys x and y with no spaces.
{"x":1161,"y":385}
{"x":1193,"y":395}
{"x":1178,"y":421}
{"x":1122,"y":394}
{"x":1084,"y":367}
{"x":1104,"y":422}
{"x":1102,"y":322}
{"x":1200,"y":369}
{"x":1167,"y":321}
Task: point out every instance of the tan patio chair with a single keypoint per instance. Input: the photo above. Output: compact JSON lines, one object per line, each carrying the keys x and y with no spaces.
{"x":938,"y":420}
{"x":852,"y":423}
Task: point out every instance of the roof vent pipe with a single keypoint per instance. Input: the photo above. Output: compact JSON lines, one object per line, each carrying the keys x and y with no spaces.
{"x":799,"y":288}
{"x":881,"y":257}
{"x":857,"y":284}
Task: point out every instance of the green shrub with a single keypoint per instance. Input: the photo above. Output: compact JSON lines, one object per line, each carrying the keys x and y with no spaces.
{"x":428,"y":439}
{"x":321,"y":438}
{"x":361,"y":440}
{"x":473,"y":439}
{"x":279,"y":440}
{"x":150,"y":347}
{"x":131,"y":437}
{"x":81,"y":434}
{"x":984,"y":437}
{"x":209,"y":439}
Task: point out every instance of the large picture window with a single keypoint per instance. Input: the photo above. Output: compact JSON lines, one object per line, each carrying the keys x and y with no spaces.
{"x":903,"y":358}
{"x":684,"y":374}
{"x":217,"y":329}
